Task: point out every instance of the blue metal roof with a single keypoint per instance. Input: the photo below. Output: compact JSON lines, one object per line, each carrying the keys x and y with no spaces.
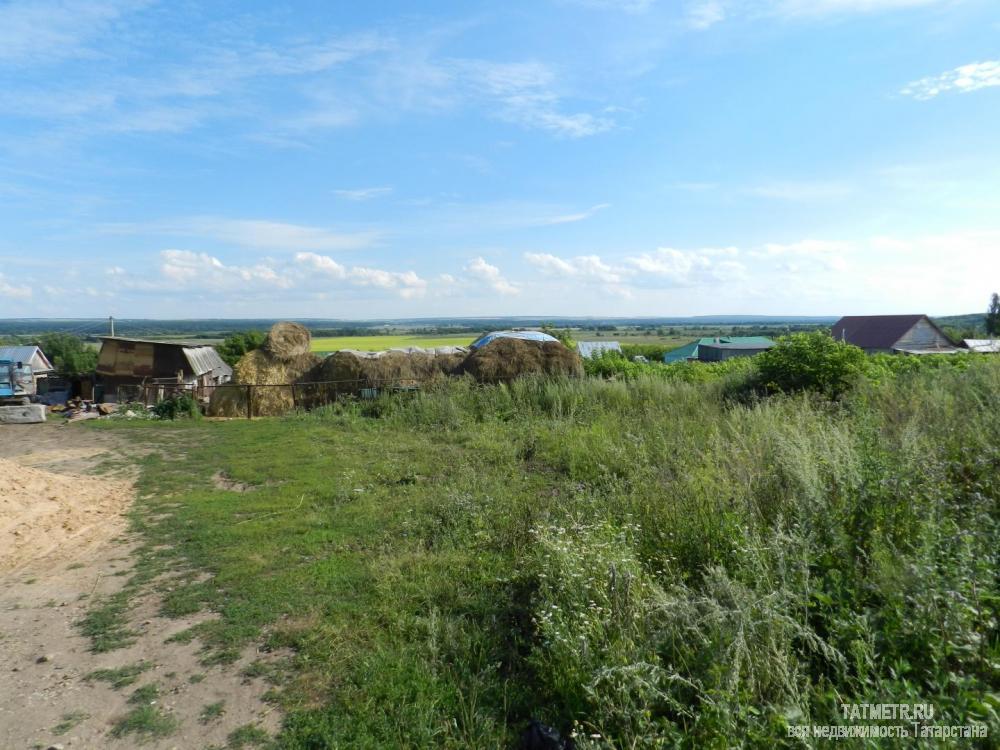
{"x":526,"y":335}
{"x":588,"y":349}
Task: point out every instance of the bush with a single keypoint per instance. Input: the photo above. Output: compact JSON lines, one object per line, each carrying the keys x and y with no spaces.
{"x":177,"y":407}
{"x":811,"y":362}
{"x":235,"y":345}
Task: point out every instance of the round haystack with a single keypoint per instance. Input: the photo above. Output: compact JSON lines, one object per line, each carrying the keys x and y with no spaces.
{"x":349,"y":371}
{"x":261,"y":368}
{"x":287,"y":340}
{"x":504,"y":359}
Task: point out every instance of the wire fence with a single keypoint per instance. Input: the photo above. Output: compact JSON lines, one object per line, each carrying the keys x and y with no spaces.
{"x":270,"y":399}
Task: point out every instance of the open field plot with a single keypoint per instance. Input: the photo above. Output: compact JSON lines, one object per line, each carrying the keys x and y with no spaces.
{"x":639,"y":563}
{"x":380,"y":343}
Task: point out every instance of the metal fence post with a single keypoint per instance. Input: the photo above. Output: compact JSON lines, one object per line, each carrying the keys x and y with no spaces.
{"x":249,"y":402}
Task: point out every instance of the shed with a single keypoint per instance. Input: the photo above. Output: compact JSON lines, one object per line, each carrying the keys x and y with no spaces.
{"x":33,"y":356}
{"x":983,"y":346}
{"x":740,"y":346}
{"x":138,"y":364}
{"x":588,"y":349}
{"x":894,"y":334}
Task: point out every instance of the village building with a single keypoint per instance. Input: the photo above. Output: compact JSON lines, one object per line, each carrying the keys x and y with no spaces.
{"x":719,"y":348}
{"x":983,"y":346}
{"x":141,"y":370}
{"x":34,"y":357}
{"x":894,"y":334}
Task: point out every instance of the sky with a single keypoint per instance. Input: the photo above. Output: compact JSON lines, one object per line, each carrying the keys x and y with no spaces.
{"x":548,"y":157}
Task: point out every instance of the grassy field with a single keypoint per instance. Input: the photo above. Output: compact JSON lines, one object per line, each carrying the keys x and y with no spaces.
{"x":379,"y":343}
{"x":644,"y":564}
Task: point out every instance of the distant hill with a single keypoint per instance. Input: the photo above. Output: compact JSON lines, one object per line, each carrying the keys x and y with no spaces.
{"x":974,"y":321}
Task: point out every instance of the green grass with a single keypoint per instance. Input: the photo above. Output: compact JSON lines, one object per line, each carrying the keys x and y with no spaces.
{"x":121,"y":676}
{"x":212,"y":712}
{"x":149,"y":722}
{"x":247,"y":736}
{"x":68,"y":722}
{"x":653,"y":562}
{"x":391,"y":341}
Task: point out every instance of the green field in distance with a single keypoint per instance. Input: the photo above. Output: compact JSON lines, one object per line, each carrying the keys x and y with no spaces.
{"x":380,"y":343}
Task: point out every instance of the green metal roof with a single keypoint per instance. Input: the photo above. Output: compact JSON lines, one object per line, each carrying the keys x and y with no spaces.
{"x":690,"y":351}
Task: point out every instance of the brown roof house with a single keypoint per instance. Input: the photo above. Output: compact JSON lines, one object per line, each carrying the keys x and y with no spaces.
{"x":136,"y":369}
{"x":894,"y":334}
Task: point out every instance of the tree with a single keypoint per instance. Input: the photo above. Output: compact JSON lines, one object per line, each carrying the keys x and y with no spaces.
{"x":69,"y":354}
{"x":563,"y":334}
{"x":993,"y":316}
{"x":235,"y":345}
{"x":811,"y":362}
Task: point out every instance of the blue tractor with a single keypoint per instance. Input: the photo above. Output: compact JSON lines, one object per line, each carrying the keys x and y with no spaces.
{"x":17,"y":383}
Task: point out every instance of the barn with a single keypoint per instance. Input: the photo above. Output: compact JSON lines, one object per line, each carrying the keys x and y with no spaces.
{"x":137,"y":369}
{"x":894,"y":334}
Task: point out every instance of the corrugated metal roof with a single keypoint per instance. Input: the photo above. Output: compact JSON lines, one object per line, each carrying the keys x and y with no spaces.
{"x":27,"y":354}
{"x":204,"y":359}
{"x":985,"y":346}
{"x":588,"y":349}
{"x":690,"y":351}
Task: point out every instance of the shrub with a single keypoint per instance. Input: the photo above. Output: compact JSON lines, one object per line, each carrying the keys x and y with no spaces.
{"x":176,"y":407}
{"x":811,"y":362}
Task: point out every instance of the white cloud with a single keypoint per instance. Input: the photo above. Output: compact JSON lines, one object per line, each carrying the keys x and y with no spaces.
{"x":50,"y":30}
{"x":690,"y":267}
{"x":705,"y":13}
{"x":573,"y":217}
{"x":801,"y":191}
{"x":202,"y":271}
{"x":805,"y":255}
{"x":964,"y":78}
{"x":363,"y":194}
{"x":489,"y":274}
{"x":258,"y":234}
{"x":406,"y":283}
{"x":8,"y":289}
{"x":582,"y":267}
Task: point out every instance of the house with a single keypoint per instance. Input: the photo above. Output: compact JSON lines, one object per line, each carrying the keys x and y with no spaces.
{"x":894,"y":334}
{"x":33,"y":356}
{"x":589,"y":349}
{"x":144,"y":370}
{"x":983,"y":346}
{"x":720,"y":348}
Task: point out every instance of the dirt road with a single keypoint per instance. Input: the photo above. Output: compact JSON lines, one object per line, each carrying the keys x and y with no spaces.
{"x":53,"y":690}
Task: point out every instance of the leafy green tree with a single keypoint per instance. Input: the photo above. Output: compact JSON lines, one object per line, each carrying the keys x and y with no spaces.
{"x":811,"y":362}
{"x":237,"y":344}
{"x":993,"y":316}
{"x":563,"y":334}
{"x":69,"y":354}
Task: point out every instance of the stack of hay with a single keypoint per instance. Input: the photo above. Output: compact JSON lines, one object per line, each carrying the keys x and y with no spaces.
{"x":505,"y":359}
{"x":350,"y":372}
{"x":283,"y":359}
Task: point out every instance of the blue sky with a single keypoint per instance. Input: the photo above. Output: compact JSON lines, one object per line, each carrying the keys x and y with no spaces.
{"x":551,"y":157}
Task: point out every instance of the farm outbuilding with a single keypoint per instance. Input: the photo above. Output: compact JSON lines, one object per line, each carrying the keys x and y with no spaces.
{"x":32,"y":356}
{"x":983,"y":346}
{"x":894,"y":334}
{"x":588,"y":349}
{"x":720,"y":348}
{"x":147,"y":370}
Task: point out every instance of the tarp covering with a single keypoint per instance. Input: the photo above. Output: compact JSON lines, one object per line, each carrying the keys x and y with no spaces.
{"x":523,"y":335}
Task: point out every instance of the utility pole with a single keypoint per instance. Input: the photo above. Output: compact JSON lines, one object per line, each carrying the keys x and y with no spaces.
{"x":111,"y":321}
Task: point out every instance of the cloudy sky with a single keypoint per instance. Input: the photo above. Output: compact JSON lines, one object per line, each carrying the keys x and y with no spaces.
{"x":544,"y":157}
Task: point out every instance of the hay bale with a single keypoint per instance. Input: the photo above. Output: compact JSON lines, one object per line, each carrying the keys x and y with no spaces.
{"x":349,"y":371}
{"x":504,"y":359}
{"x":261,"y":367}
{"x":287,"y":340}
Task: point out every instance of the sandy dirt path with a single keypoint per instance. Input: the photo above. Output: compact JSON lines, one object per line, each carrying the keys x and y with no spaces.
{"x":46,"y":698}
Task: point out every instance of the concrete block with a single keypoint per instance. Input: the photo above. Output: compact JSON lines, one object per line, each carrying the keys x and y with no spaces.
{"x":30,"y":414}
